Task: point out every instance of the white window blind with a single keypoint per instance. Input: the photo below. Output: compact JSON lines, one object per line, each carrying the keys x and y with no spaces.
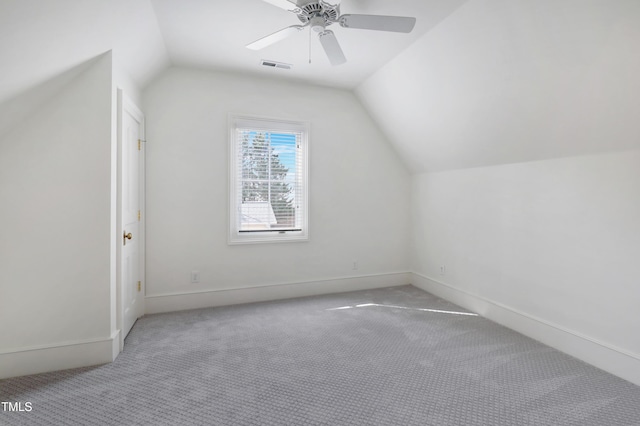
{"x":268,"y":180}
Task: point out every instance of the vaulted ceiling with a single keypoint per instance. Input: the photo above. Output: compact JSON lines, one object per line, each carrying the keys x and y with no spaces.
{"x":212,"y":34}
{"x":478,"y":82}
{"x":42,"y":39}
{"x":503,"y":81}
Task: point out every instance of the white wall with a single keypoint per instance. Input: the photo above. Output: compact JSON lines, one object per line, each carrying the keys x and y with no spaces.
{"x":555,"y":241}
{"x":55,"y":185}
{"x":548,"y":243}
{"x":359,"y":192}
{"x":15,"y":110}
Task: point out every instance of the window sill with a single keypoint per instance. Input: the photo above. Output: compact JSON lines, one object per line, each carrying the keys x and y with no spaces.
{"x":267,"y":238}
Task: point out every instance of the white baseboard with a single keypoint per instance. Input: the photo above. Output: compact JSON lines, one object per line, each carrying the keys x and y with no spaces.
{"x":116,"y":345}
{"x":221,"y":297}
{"x":63,"y":356}
{"x":617,"y":361}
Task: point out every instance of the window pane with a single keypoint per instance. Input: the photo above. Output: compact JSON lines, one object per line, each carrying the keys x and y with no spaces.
{"x":283,"y":176}
{"x":269,"y":165}
{"x":268,"y":190}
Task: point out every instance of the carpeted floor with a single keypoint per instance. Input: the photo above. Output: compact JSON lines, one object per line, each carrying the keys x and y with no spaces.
{"x":403,"y":357}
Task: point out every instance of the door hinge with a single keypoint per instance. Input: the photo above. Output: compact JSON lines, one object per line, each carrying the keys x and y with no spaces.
{"x":139,"y":286}
{"x":139,"y":144}
{"x":138,"y":215}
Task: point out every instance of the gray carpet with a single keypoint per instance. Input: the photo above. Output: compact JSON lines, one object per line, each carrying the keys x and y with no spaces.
{"x":404,"y":358}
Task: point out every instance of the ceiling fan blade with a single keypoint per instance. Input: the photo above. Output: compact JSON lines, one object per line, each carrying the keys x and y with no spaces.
{"x":398,"y":24}
{"x":274,"y":38}
{"x":283,"y":4}
{"x":332,"y":47}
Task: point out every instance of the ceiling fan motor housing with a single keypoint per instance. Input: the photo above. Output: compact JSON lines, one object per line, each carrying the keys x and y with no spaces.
{"x":318,"y":14}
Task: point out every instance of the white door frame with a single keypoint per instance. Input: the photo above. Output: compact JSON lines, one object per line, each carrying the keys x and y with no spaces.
{"x":125,"y":104}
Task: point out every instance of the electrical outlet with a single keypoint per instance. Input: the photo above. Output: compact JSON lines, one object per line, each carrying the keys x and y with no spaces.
{"x":355,"y":265}
{"x":443,"y":269}
{"x":195,"y":277}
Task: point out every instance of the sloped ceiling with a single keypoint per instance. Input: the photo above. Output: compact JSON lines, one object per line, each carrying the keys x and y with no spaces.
{"x":478,"y":82}
{"x":503,"y":81}
{"x":212,"y":34}
{"x":42,"y":40}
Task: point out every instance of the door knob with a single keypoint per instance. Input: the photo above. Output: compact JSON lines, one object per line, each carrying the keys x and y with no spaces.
{"x":126,"y":237}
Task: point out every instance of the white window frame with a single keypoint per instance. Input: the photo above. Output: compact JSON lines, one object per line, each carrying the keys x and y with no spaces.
{"x":266,"y":124}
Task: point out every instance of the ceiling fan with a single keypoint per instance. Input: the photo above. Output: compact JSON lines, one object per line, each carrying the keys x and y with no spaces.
{"x":318,"y":15}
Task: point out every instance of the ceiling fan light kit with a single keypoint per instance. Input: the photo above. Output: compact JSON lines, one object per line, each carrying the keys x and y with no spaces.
{"x":318,"y":15}
{"x":318,"y":24}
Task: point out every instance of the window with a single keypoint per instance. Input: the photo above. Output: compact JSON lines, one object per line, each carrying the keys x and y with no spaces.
{"x":268,"y":180}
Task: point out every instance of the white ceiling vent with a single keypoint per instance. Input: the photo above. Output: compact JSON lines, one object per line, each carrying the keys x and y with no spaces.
{"x":274,"y":64}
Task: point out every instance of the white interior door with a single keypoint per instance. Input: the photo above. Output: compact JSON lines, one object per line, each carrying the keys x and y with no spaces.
{"x":131,"y":260}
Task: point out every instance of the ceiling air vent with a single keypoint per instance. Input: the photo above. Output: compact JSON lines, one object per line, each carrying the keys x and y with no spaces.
{"x":274,"y":64}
